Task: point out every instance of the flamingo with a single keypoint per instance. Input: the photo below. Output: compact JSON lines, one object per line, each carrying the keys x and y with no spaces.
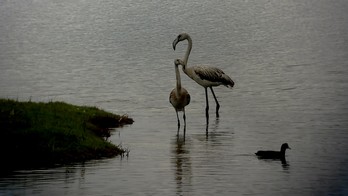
{"x":179,"y":96}
{"x":205,"y":76}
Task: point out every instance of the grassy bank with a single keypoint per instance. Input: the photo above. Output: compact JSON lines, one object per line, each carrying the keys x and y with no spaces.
{"x":40,"y":134}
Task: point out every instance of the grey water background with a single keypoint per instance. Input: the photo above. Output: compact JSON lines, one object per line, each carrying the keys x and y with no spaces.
{"x":289,"y":60}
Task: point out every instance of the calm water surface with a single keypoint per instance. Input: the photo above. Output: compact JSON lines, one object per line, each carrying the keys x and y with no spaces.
{"x":289,"y":60}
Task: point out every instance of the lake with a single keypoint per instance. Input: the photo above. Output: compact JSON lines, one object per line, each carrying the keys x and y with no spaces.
{"x":289,"y":61}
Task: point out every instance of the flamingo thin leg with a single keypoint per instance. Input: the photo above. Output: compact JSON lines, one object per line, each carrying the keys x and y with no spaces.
{"x":177,"y":116}
{"x":207,"y":105}
{"x":216,"y":101}
{"x":184,"y":117}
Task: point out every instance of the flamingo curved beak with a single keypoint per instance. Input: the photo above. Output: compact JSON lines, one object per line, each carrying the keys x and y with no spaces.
{"x":175,"y":42}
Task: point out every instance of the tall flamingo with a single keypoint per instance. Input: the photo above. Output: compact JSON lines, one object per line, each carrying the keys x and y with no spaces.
{"x":205,"y":76}
{"x":179,"y":97}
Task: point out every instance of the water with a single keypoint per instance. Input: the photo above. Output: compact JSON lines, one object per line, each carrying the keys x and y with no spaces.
{"x":288,"y":58}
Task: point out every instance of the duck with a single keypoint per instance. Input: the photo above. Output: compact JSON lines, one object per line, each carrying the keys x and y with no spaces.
{"x":273,"y":154}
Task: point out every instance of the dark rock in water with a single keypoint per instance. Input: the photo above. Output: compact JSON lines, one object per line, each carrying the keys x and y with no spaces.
{"x":273,"y":154}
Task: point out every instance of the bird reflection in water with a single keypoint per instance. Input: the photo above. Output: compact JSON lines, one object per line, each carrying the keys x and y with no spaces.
{"x":182,"y":164}
{"x":285,"y":164}
{"x":183,"y":133}
{"x":213,"y":126}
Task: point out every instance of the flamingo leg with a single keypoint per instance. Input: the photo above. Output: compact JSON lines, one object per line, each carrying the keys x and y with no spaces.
{"x":184,"y":117}
{"x":177,"y":116}
{"x":207,"y":105}
{"x":216,"y":101}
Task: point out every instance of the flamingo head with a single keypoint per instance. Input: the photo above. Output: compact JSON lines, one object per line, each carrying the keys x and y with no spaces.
{"x":178,"y":62}
{"x":180,"y":38}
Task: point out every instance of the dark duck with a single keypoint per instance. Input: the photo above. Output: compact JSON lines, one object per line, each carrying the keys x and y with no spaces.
{"x":273,"y":154}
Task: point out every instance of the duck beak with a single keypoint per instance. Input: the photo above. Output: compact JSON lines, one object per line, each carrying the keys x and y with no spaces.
{"x":175,"y":42}
{"x":289,"y":147}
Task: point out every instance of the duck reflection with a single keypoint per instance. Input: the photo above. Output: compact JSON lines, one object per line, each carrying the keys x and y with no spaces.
{"x":182,"y":164}
{"x":285,"y":163}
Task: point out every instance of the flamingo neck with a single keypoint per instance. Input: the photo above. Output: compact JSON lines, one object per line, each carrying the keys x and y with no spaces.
{"x":188,"y":51}
{"x":178,"y":80}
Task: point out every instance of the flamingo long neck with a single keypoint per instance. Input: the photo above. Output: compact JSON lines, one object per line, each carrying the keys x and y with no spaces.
{"x":178,"y":80}
{"x":188,"y":51}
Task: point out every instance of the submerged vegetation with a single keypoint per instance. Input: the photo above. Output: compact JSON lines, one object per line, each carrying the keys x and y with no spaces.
{"x":41,"y":134}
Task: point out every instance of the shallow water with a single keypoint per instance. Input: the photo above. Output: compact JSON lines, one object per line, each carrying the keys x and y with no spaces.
{"x":288,"y":58}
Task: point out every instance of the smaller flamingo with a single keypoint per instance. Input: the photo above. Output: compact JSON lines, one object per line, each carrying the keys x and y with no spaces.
{"x":179,"y":97}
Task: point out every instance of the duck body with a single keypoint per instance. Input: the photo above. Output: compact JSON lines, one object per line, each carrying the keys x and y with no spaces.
{"x":269,"y":154}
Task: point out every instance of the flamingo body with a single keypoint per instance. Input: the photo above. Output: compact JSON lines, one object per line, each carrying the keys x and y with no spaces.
{"x":179,"y":99}
{"x":207,"y":76}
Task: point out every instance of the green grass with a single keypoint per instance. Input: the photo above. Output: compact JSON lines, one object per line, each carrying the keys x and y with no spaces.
{"x":40,"y":134}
